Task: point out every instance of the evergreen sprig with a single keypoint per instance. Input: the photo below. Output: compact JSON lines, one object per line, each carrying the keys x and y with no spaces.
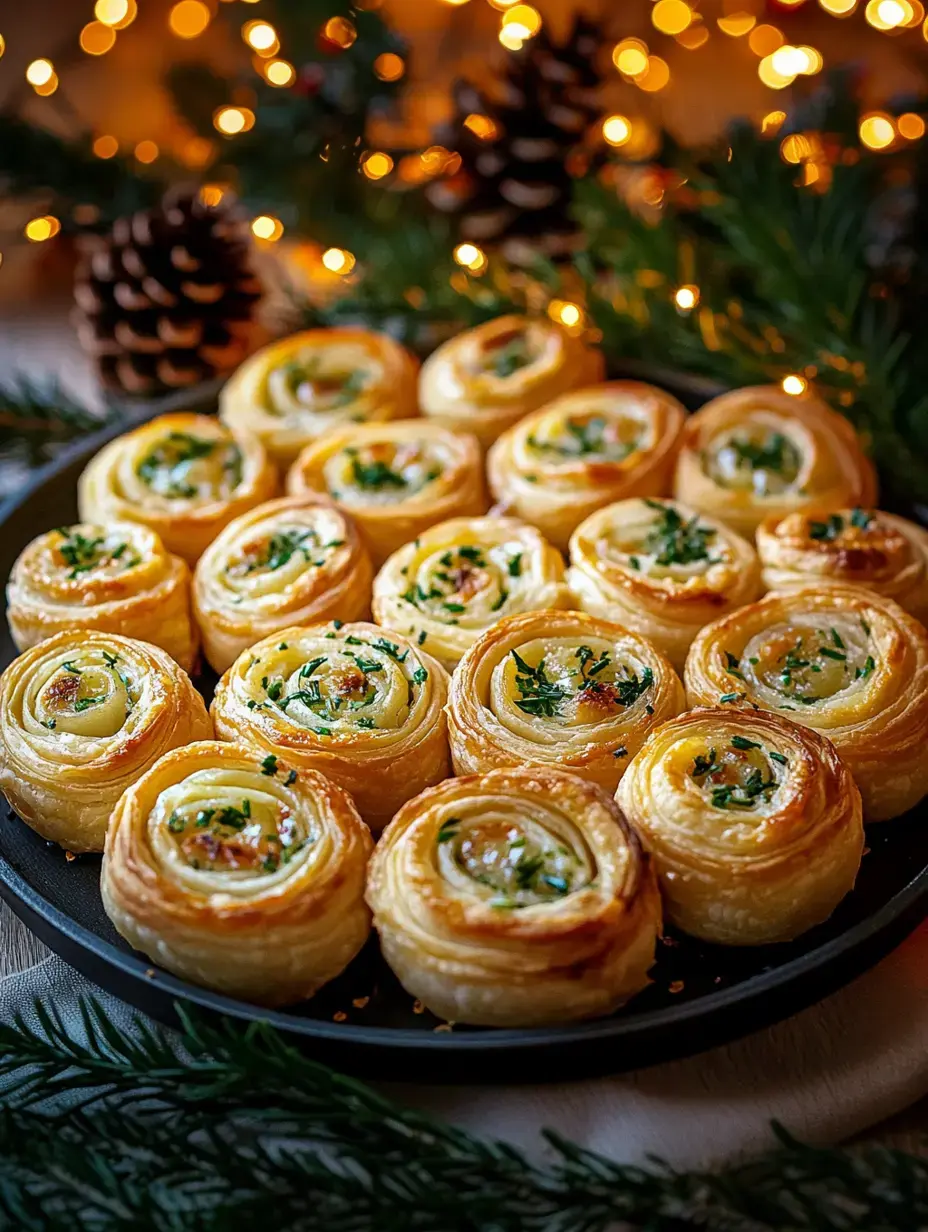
{"x":37,"y":417}
{"x":224,"y":1127}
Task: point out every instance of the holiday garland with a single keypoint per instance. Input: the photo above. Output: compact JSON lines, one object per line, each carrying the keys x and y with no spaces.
{"x":226,"y":1128}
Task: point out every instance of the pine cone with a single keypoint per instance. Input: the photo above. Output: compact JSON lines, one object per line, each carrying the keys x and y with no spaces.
{"x":168,"y":298}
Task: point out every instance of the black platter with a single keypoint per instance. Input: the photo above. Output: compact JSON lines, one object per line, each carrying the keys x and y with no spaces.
{"x":365,"y":1023}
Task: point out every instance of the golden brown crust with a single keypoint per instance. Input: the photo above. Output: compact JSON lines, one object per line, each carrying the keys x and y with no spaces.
{"x":82,"y":716}
{"x":292,"y":561}
{"x":561,"y":689}
{"x":360,"y":704}
{"x":183,"y":475}
{"x":842,"y":660}
{"x":759,"y":452}
{"x":395,"y":479}
{"x":857,"y":547}
{"x":753,"y":822}
{"x":233,"y":873}
{"x":116,"y":579}
{"x":462,"y":576}
{"x":661,"y":569}
{"x":560,"y":925}
{"x":584,"y":450}
{"x":488,"y":377}
{"x":295,"y":390}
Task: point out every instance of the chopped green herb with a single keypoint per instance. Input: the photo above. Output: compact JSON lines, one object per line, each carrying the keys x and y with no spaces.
{"x":290,"y":779}
{"x":372,"y":476}
{"x":365,"y":722}
{"x":269,"y":765}
{"x":420,"y":675}
{"x":391,"y":649}
{"x":503,"y":596}
{"x":634,"y":562}
{"x":421,"y":638}
{"x":828,"y":531}
{"x":742,"y":743}
{"x":704,"y":765}
{"x":515,"y":565}
{"x":621,"y":751}
{"x":868,"y":667}
{"x":176,"y":823}
{"x":860,"y":519}
{"x":308,"y":668}
{"x":85,"y":703}
{"x":275,"y":689}
{"x":730,"y":697}
{"x":775,"y":756}
{"x":539,"y":695}
{"x":69,"y":667}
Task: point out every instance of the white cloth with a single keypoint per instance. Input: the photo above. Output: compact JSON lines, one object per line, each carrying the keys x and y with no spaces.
{"x":830,"y":1072}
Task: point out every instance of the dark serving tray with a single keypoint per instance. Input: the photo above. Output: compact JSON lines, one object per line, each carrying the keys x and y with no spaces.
{"x":364,"y":1022}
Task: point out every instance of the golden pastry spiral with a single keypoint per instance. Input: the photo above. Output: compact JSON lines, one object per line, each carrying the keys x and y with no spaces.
{"x":296,"y":560}
{"x":585,"y":450}
{"x":843,"y":661}
{"x":361,"y":704}
{"x":488,"y":377}
{"x":82,"y":716}
{"x":239,"y":874}
{"x":293,"y":391}
{"x":560,"y":689}
{"x":184,"y":476}
{"x":116,"y":579}
{"x":858,"y":547}
{"x":753,"y":823}
{"x":462,"y":576}
{"x":516,"y":898}
{"x":759,"y":452}
{"x":394,"y":479}
{"x":661,"y":569}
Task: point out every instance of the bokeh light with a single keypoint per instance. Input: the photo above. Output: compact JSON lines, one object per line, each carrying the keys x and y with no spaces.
{"x":686,"y":297}
{"x":106,"y":146}
{"x":40,"y":72}
{"x":97,"y":39}
{"x":341,"y":31}
{"x":389,"y":67}
{"x":267,"y":227}
{"x":671,"y":16}
{"x":116,"y":13}
{"x":146,"y":151}
{"x":189,"y":18}
{"x":280,"y":73}
{"x":38,"y":229}
{"x":794,"y":384}
{"x":617,"y":129}
{"x":232,"y":120}
{"x":338,"y":260}
{"x":911,"y":126}
{"x":375,"y":166}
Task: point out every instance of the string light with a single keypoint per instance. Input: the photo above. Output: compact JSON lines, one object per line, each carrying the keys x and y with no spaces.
{"x":877,"y":131}
{"x":839,"y":8}
{"x":567,"y":314}
{"x":280,"y":73}
{"x":97,"y":39}
{"x":106,"y":147}
{"x":888,"y":14}
{"x":911,"y":126}
{"x":764,"y":40}
{"x":116,"y":13}
{"x":523,"y":15}
{"x":471,"y":257}
{"x":341,"y":31}
{"x":2,"y":44}
{"x":189,"y":18}
{"x":693,"y":37}
{"x":232,"y":120}
{"x":795,"y":147}
{"x":736,"y":25}
{"x":686,"y":297}
{"x":772,"y":121}
{"x":655,"y":76}
{"x":37,"y":230}
{"x":40,"y":73}
{"x":671,"y":16}
{"x":338,"y":260}
{"x":631,"y":57}
{"x":261,"y":37}
{"x":389,"y":67}
{"x":617,"y":129}
{"x":375,"y":166}
{"x":771,"y":76}
{"x":512,"y":37}
{"x":211,"y":194}
{"x":267,"y":227}
{"x":146,"y":151}
{"x":794,"y":384}
{"x":482,"y":126}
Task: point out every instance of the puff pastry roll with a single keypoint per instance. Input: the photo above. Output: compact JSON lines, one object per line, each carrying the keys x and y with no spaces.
{"x":560,"y":689}
{"x":462,"y":576}
{"x":364,"y":707}
{"x":661,"y":569}
{"x":293,"y":391}
{"x":753,"y":822}
{"x":585,"y":450}
{"x":395,"y":480}
{"x":517,"y":898}
{"x":297,"y":560}
{"x":842,"y":660}
{"x":116,"y":579}
{"x":184,"y":476}
{"x":859,"y":547}
{"x":488,"y":377}
{"x":760,"y":452}
{"x":82,"y":716}
{"x":239,"y":873}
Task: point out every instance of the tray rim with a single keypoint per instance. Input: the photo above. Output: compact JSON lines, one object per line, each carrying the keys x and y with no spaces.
{"x":837,"y":961}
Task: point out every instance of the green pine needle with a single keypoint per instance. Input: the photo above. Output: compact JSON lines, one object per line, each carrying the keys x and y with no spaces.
{"x":37,"y":417}
{"x":226,"y":1128}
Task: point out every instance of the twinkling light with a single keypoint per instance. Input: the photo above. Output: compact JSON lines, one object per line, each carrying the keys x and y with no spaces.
{"x":106,"y":146}
{"x":341,"y":31}
{"x":568,"y":314}
{"x":115,"y":13}
{"x":97,"y":39}
{"x":231,"y":120}
{"x":655,"y":77}
{"x":693,"y":37}
{"x":40,"y":72}
{"x":911,"y":126}
{"x":814,"y":60}
{"x":794,"y":384}
{"x":39,"y":229}
{"x":211,"y":194}
{"x":523,"y":15}
{"x":795,"y":147}
{"x":280,"y":73}
{"x":877,"y":131}
{"x":686,"y":297}
{"x":671,"y":16}
{"x":482,"y":126}
{"x":772,"y":121}
{"x":146,"y":151}
{"x":630,"y":57}
{"x":197,"y":152}
{"x":338,"y":260}
{"x":389,"y":67}
{"x":375,"y":166}
{"x":617,"y":129}
{"x":888,"y":14}
{"x":789,"y":61}
{"x":512,"y":37}
{"x":267,"y":227}
{"x":764,"y":40}
{"x":736,"y":25}
{"x":189,"y":18}
{"x":771,"y":76}
{"x":261,"y":37}
{"x":471,"y":257}
{"x":839,"y":8}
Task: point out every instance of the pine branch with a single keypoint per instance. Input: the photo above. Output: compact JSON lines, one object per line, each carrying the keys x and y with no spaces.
{"x":37,"y":417}
{"x":212,"y":1130}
